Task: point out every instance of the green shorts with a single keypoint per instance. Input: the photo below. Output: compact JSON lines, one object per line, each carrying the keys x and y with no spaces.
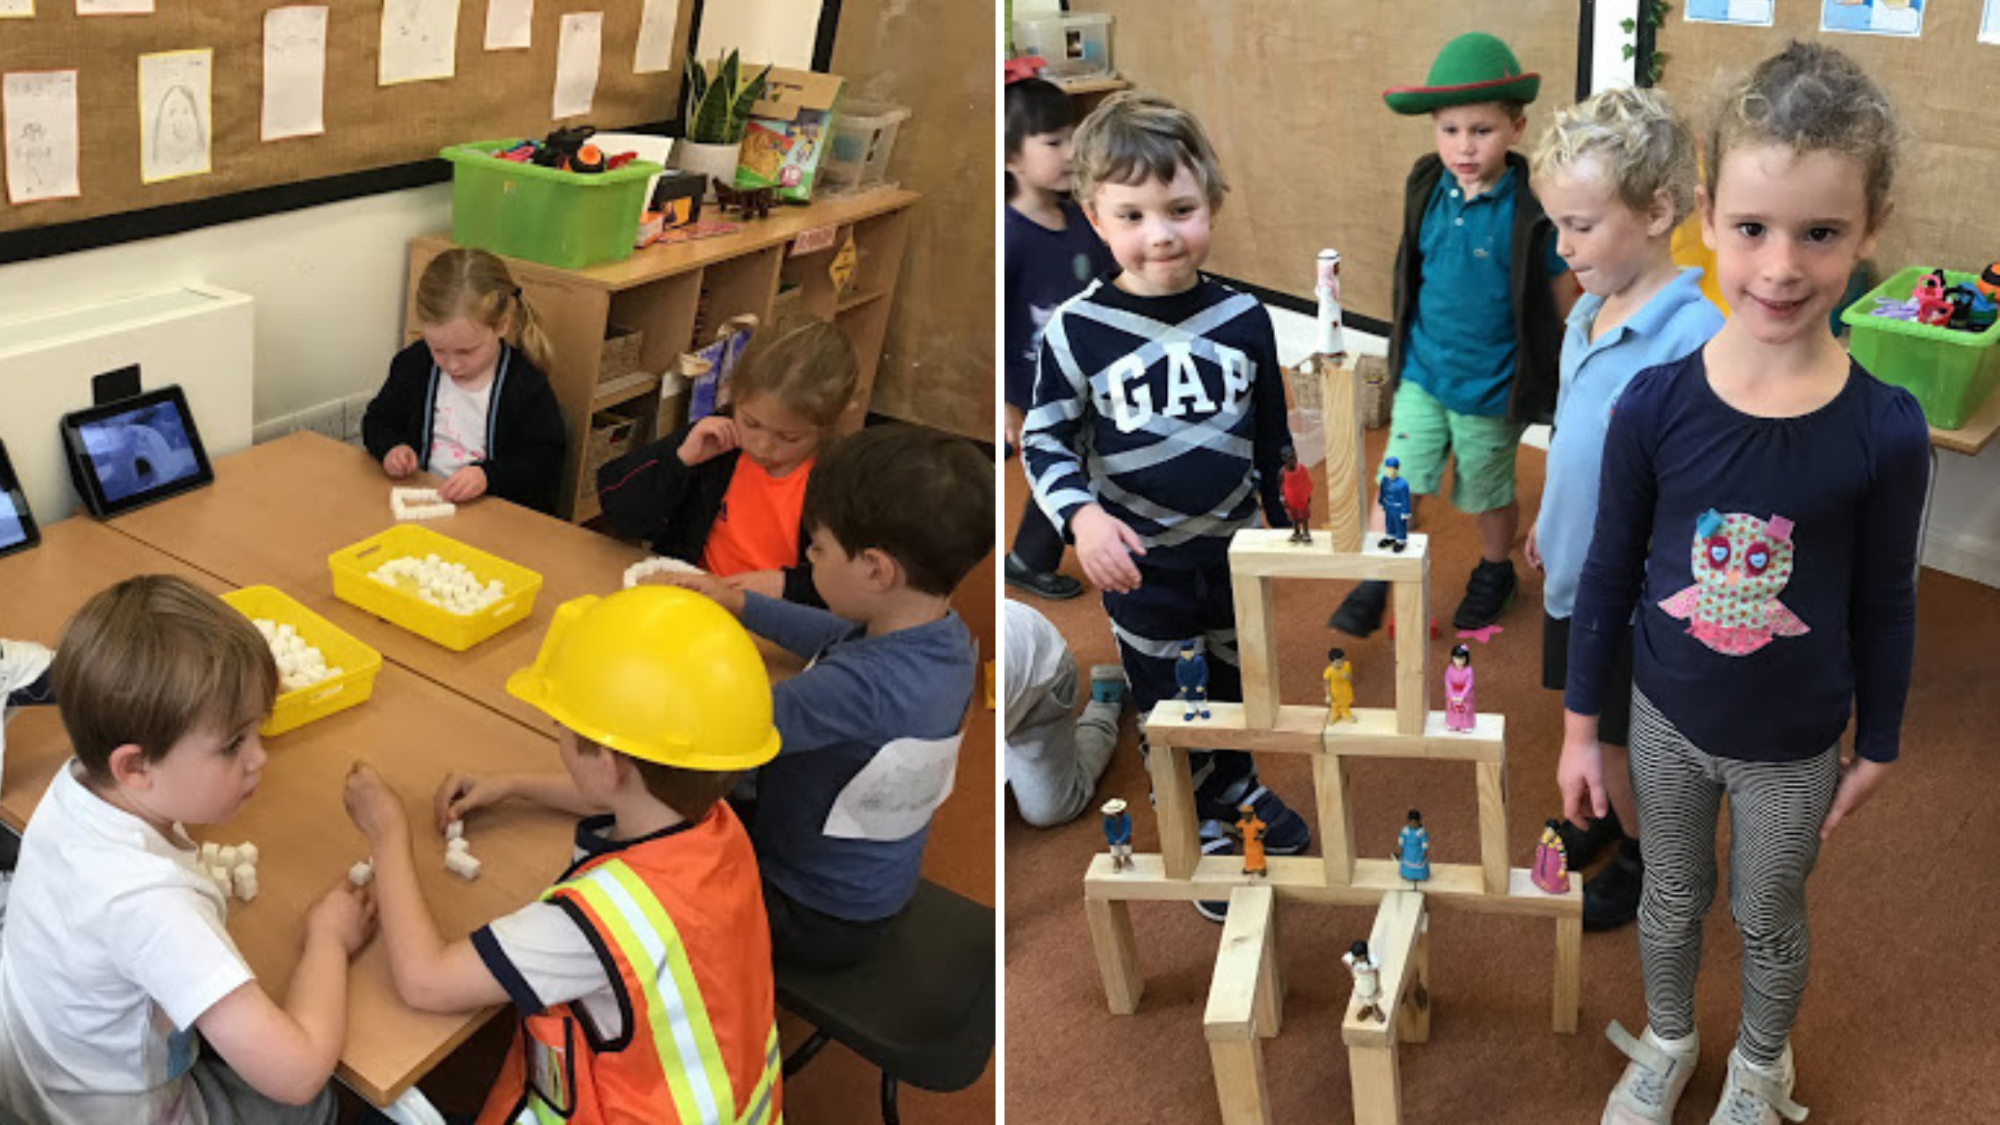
{"x":1422,"y":433}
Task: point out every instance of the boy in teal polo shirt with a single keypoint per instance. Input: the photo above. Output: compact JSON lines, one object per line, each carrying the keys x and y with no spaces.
{"x":1480,"y":296}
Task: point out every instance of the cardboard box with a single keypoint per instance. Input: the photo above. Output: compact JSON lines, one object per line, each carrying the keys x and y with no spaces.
{"x":789,"y":131}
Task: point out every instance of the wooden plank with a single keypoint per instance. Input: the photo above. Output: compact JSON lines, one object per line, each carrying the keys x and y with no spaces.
{"x":1413,"y":630}
{"x":1239,"y":1081}
{"x":1302,"y":729}
{"x":1271,"y":981}
{"x":1117,"y":953}
{"x":1303,"y":879}
{"x":1336,"y":819}
{"x":1173,"y":809}
{"x":1378,"y":1086}
{"x":1293,"y":730}
{"x":1569,"y":973}
{"x":1413,"y":1017}
{"x":1375,"y":734}
{"x":1493,"y":825}
{"x":1268,"y":553}
{"x":1256,"y":649}
{"x":1239,"y":966}
{"x":1346,"y":474}
{"x":1392,"y":943}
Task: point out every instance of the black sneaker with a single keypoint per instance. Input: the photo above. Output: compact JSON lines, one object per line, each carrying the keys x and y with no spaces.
{"x":1215,"y":840}
{"x":1285,"y":832}
{"x":1584,"y":845}
{"x":1360,"y":614}
{"x":1042,"y":584}
{"x":1488,"y":593}
{"x":1611,"y":897}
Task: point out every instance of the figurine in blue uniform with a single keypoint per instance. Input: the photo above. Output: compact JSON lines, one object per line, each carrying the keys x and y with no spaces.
{"x":1413,"y":846}
{"x":1395,"y":500}
{"x":1118,"y":832}
{"x":1191,"y":673}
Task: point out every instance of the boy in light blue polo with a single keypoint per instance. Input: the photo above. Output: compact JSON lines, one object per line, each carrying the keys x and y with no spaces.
{"x":1478,"y":307}
{"x":1616,"y":174}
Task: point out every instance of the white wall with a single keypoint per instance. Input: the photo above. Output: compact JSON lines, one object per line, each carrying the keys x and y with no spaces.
{"x":328,"y":283}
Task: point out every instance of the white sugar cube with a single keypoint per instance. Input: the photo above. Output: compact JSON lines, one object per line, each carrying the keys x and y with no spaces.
{"x":455,"y":830}
{"x":245,"y":878}
{"x":247,"y":853}
{"x":361,"y":873}
{"x":462,"y":864}
{"x":210,"y":855}
{"x":227,"y":856}
{"x":458,"y":845}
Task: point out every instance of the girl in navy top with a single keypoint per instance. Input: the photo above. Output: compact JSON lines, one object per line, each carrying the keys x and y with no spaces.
{"x":1759,"y":509}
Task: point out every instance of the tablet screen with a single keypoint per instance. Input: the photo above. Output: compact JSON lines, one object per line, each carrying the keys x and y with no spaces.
{"x":139,"y":451}
{"x":13,"y":532}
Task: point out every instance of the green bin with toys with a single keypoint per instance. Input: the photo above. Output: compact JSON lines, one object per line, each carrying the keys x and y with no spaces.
{"x":1951,"y":371}
{"x":557,"y":218}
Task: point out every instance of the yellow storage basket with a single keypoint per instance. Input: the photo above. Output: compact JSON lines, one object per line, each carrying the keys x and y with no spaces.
{"x":352,"y":583}
{"x":358,"y":662}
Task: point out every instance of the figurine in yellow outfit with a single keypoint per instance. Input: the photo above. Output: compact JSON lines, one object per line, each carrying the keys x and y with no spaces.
{"x":1339,"y":679}
{"x":1253,"y":840}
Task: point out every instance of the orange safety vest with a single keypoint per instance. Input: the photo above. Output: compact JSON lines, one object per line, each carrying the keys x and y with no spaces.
{"x":679,"y":921}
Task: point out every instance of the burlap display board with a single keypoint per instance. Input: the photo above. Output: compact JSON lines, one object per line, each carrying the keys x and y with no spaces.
{"x":493,"y":94}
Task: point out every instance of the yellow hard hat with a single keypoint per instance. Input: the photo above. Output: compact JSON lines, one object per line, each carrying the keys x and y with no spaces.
{"x":657,"y":673}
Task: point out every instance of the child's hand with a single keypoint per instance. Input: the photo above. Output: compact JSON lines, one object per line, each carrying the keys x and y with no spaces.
{"x":1533,"y":549}
{"x":372,"y":805}
{"x":401,"y":462}
{"x":1013,"y":430}
{"x":770,"y":583}
{"x":1858,"y":780}
{"x":707,"y":585}
{"x":1105,"y":546}
{"x":346,"y":913}
{"x":461,"y":793}
{"x":1580,"y":776}
{"x":464,"y":485}
{"x":709,"y":437}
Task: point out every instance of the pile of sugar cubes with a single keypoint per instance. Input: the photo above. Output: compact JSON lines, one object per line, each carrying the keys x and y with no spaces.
{"x":300,"y":665}
{"x":458,"y":858}
{"x":419,"y":504}
{"x":658,"y":564}
{"x":440,"y":582}
{"x":231,"y":868}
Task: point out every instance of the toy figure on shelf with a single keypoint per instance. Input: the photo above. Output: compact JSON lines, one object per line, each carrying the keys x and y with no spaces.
{"x":1413,"y":847}
{"x":1328,"y":340}
{"x":1253,"y":840}
{"x":1395,"y":501}
{"x":1191,"y":673}
{"x":751,"y":203}
{"x":1460,"y":704}
{"x":1367,"y":979}
{"x":1932,"y":306}
{"x":1295,"y":486}
{"x":1118,"y":832}
{"x":1551,"y":871}
{"x":1339,"y":677}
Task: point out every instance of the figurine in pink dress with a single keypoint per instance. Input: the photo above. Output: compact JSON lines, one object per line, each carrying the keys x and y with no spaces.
{"x":1551,"y":871}
{"x":1460,"y":704}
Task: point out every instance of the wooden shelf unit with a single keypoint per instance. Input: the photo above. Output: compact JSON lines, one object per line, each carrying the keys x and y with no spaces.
{"x":663,"y":290}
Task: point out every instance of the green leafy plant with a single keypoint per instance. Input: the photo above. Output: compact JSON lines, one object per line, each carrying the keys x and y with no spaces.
{"x":719,"y":104}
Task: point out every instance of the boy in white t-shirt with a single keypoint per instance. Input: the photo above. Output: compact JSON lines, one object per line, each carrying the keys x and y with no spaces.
{"x":116,"y":951}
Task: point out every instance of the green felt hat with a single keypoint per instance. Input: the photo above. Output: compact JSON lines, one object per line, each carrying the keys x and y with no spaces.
{"x":1475,"y":67}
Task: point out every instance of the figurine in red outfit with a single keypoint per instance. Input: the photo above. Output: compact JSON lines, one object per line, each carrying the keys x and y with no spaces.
{"x":1295,"y":485}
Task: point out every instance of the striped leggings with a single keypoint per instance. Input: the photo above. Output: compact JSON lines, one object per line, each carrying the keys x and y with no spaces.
{"x":1775,"y":812}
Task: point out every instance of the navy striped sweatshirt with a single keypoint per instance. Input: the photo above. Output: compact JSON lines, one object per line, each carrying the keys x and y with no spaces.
{"x":1169,"y":412}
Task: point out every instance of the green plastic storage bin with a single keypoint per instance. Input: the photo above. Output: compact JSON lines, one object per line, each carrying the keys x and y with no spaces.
{"x":564,"y":219}
{"x":1951,"y":372}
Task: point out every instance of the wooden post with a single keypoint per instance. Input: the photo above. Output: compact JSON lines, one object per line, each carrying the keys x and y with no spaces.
{"x":1244,"y":1006}
{"x":1413,"y":634}
{"x":1256,"y":649}
{"x":1117,"y":953}
{"x":1378,"y":1085}
{"x":1413,"y":1015}
{"x":1493,"y":825}
{"x":1336,"y":821}
{"x":1569,"y":972}
{"x":1346,"y":474}
{"x":1239,"y":1080}
{"x":1173,"y":810}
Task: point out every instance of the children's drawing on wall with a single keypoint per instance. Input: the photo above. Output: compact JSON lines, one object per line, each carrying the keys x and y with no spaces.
{"x":1873,"y":17}
{"x":657,"y":21}
{"x":419,"y":40}
{"x":294,"y":72}
{"x":39,"y":109}
{"x":114,"y":7}
{"x":16,"y":9}
{"x":577,"y":55}
{"x":1750,"y":13}
{"x":510,"y":24}
{"x":174,"y":114}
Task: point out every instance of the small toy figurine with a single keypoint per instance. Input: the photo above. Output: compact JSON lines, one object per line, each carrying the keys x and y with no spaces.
{"x":1295,"y":485}
{"x":751,"y":203}
{"x":1395,"y":501}
{"x":1191,"y":673}
{"x":1932,"y":307}
{"x":1551,"y":871}
{"x":1118,"y":832}
{"x":1459,"y":702}
{"x":1328,"y":340}
{"x":1413,"y":845}
{"x":1253,"y":840}
{"x":1989,"y":281}
{"x":1339,"y":679}
{"x":1367,"y":979}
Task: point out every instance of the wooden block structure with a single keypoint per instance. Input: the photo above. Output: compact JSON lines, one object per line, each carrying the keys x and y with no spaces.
{"x":1263,"y":723}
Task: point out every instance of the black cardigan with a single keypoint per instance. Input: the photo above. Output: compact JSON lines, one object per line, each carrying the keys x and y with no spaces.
{"x":649,"y":494}
{"x":525,"y":435}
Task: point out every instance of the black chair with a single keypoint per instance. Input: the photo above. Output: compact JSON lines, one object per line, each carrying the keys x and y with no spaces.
{"x":921,"y":1008}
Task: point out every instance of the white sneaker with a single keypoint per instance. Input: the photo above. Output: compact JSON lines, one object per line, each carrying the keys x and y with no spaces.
{"x":1652,"y":1083}
{"x":21,"y":664}
{"x":1756,"y":1095}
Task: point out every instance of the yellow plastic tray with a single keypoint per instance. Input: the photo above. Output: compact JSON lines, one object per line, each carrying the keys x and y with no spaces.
{"x":352,"y":687}
{"x":351,"y":567}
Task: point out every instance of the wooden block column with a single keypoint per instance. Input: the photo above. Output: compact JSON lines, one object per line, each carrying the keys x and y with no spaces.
{"x":1346,"y":471}
{"x":1245,"y":1006}
{"x":1399,"y":947}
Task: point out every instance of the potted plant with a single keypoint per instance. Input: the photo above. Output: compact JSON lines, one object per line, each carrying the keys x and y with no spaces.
{"x":717,"y":112}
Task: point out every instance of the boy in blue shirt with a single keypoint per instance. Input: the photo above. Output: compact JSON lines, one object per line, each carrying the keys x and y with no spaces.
{"x":1478,"y":307}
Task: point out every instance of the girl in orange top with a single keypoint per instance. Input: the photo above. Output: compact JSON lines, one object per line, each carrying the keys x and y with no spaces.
{"x":725,"y":493}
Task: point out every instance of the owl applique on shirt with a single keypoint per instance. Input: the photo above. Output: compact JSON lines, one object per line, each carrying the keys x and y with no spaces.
{"x":1741,"y":564}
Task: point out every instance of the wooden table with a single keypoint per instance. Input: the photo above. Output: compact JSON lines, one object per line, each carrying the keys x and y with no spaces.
{"x":276,"y":511}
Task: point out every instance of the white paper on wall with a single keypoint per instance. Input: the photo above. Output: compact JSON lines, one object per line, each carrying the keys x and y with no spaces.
{"x":509,"y":24}
{"x":657,"y":20}
{"x":114,"y":7}
{"x":174,"y":116}
{"x":419,"y":40}
{"x":577,"y":55}
{"x":294,"y":72}
{"x":16,"y":9}
{"x":39,"y":110}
